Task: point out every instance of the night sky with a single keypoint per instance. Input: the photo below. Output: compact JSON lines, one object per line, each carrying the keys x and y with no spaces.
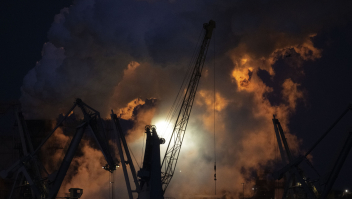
{"x":324,"y":80}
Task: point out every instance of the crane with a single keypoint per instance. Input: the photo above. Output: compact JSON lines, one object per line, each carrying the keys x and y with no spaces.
{"x":154,"y":177}
{"x":48,"y":188}
{"x":291,"y":170}
{"x":179,"y":130}
{"x":34,"y":165}
{"x":121,"y":139}
{"x":295,"y":174}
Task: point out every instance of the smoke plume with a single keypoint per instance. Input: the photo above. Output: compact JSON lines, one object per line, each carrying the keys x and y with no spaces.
{"x":119,"y":54}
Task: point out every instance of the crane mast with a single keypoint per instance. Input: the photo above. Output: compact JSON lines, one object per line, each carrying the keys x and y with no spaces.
{"x":178,"y":133}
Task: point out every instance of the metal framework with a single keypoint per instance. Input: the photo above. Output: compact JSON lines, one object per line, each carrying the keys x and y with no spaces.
{"x":295,"y":173}
{"x":121,"y":139}
{"x":174,"y":146}
{"x":292,"y":170}
{"x":48,"y":188}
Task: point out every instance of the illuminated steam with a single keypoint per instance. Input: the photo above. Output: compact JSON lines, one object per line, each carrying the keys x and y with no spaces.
{"x":120,"y":54}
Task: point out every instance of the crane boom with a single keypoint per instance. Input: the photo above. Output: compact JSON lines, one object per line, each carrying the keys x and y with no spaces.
{"x":174,"y":146}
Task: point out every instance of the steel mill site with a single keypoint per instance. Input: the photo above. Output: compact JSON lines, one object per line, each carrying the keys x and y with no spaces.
{"x":176,"y":99}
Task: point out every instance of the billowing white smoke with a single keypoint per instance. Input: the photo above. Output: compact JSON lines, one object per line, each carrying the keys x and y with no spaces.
{"x":110,"y":53}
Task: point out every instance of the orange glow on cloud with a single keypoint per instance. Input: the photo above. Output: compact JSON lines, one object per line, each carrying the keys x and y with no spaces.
{"x":291,"y":93}
{"x":94,"y":54}
{"x":127,"y":112}
{"x":255,"y":145}
{"x":208,"y":99}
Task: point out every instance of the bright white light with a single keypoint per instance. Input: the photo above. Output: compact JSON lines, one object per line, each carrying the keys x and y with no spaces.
{"x":190,"y":144}
{"x":346,"y":190}
{"x":253,"y":188}
{"x":180,"y":170}
{"x":161,"y":127}
{"x":102,"y":167}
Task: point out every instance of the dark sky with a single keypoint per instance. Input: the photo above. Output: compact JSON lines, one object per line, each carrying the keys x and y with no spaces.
{"x":326,"y":82}
{"x":24,"y":30}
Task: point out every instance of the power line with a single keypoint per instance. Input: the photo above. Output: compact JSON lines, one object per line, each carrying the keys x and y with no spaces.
{"x":214,"y":120}
{"x":179,"y":97}
{"x":134,"y":157}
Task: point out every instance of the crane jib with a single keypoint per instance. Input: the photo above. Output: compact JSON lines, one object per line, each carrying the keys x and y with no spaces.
{"x":173,"y":150}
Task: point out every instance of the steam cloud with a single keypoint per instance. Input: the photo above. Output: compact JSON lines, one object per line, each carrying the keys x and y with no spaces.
{"x":117,"y":54}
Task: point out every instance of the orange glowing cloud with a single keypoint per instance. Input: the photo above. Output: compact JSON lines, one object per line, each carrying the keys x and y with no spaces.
{"x":207,"y":100}
{"x":143,"y":118}
{"x":127,"y":112}
{"x":89,"y":174}
{"x":291,"y":93}
{"x":307,"y":51}
{"x":54,"y":149}
{"x":111,"y":64}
